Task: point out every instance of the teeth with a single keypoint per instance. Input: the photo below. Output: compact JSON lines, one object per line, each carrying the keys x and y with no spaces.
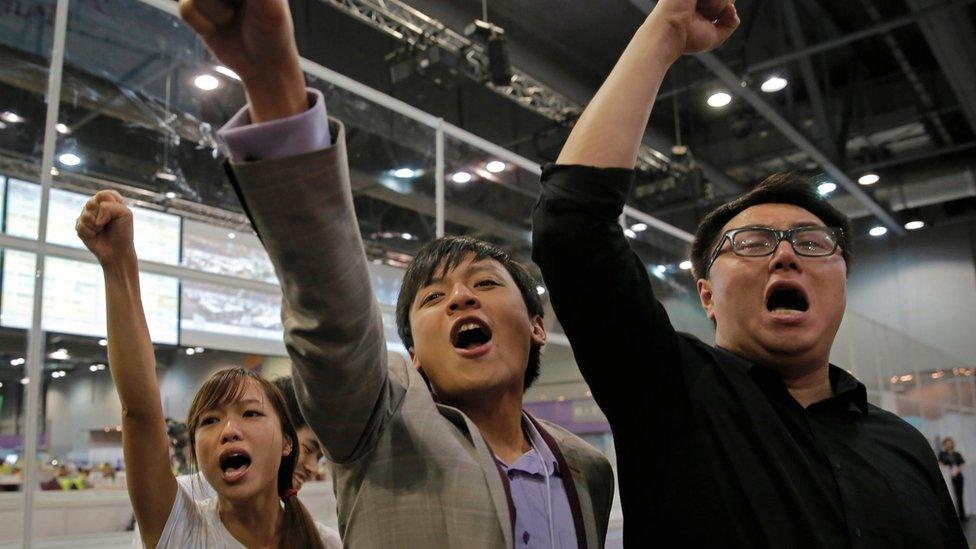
{"x":781,"y":310}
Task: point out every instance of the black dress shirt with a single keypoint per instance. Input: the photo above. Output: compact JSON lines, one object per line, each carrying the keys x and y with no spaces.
{"x":712,"y":450}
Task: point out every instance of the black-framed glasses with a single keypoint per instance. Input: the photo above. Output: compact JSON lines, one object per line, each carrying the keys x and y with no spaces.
{"x":815,"y":241}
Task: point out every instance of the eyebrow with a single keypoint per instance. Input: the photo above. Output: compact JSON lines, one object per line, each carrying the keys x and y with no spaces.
{"x":475,"y":268}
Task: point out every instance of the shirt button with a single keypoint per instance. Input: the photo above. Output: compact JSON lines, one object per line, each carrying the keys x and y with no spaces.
{"x":511,"y":474}
{"x":857,"y":532}
{"x":525,"y":538}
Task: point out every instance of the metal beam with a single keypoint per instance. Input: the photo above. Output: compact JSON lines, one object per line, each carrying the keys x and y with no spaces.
{"x":952,"y":38}
{"x":733,"y":82}
{"x":833,"y":43}
{"x":810,"y":81}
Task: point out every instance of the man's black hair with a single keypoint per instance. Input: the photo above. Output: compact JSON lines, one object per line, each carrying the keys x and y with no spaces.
{"x":287,"y":387}
{"x":780,"y":188}
{"x":438,"y":257}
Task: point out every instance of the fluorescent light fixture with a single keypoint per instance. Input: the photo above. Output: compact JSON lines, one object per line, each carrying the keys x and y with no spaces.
{"x":495,"y":166}
{"x":774,"y":84}
{"x":826,"y":188}
{"x":405,"y":173}
{"x":102,"y":342}
{"x":638,"y":227}
{"x":206,"y":82}
{"x":869,"y":179}
{"x":227,"y":72}
{"x":914,"y":225}
{"x":62,"y":128}
{"x":685,"y":265}
{"x":166,"y":174}
{"x":719,"y":99}
{"x":11,"y":117}
{"x":69,"y":159}
{"x":630,"y":233}
{"x":878,"y":231}
{"x":461,"y":177}
{"x":540,"y":290}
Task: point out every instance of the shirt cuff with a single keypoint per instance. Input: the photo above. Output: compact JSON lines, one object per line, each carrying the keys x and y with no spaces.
{"x":301,"y":133}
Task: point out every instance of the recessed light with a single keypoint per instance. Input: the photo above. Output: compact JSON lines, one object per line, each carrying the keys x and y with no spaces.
{"x":62,"y":128}
{"x":11,"y":117}
{"x":719,"y":99}
{"x":914,"y":225}
{"x":227,"y":72}
{"x":878,"y":231}
{"x":774,"y":84}
{"x":660,"y":269}
{"x":102,"y":342}
{"x":206,"y":82}
{"x":685,"y":265}
{"x":495,"y":166}
{"x":190,"y":351}
{"x":826,"y":188}
{"x":630,"y":233}
{"x":171,"y":195}
{"x":869,"y":179}
{"x":69,"y":159}
{"x":231,"y":236}
{"x":461,"y":177}
{"x":638,"y":227}
{"x":405,"y":173}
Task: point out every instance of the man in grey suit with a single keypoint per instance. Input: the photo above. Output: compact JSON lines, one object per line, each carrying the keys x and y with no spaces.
{"x":434,"y":451}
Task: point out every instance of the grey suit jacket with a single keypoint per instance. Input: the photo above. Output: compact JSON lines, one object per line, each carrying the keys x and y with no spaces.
{"x":408,"y":472}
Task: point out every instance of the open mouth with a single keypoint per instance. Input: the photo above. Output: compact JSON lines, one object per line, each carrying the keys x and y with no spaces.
{"x":234,"y":464}
{"x":787,"y":300}
{"x":470,"y":334}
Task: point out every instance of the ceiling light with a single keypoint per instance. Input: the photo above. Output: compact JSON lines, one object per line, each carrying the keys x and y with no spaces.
{"x":227,"y":72}
{"x":206,"y":82}
{"x":869,"y":179}
{"x":1,"y":385}
{"x":3,"y":125}
{"x":914,"y":225}
{"x":102,"y":342}
{"x":17,"y":362}
{"x":93,"y":368}
{"x":231,"y":236}
{"x":69,"y":159}
{"x":495,"y":166}
{"x":685,"y":265}
{"x":165,"y":174}
{"x":62,"y":128}
{"x":638,"y":227}
{"x":171,"y":195}
{"x":774,"y":84}
{"x":461,"y":177}
{"x":878,"y":231}
{"x":60,"y":354}
{"x":11,"y":117}
{"x":630,"y":233}
{"x":190,"y":351}
{"x":719,"y":99}
{"x":826,"y":188}
{"x":660,"y":269}
{"x":24,"y":380}
{"x":540,"y":290}
{"x":407,"y":236}
{"x":199,"y":350}
{"x":405,"y":173}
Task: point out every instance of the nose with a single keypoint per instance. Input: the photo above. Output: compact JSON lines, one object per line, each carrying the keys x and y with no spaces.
{"x":462,"y":299}
{"x":784,"y":258}
{"x":231,"y":432}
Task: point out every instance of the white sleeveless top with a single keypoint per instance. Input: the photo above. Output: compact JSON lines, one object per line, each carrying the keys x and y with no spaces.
{"x":197,"y":524}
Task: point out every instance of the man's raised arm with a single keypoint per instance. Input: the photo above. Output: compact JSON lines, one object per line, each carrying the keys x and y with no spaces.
{"x":290,"y":170}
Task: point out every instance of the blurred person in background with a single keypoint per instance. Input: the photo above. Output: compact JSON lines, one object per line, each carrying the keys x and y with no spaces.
{"x":757,"y":441}
{"x":952,"y":459}
{"x":240,"y":432}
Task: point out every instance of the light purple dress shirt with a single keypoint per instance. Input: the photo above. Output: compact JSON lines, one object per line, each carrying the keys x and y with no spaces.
{"x":309,"y":131}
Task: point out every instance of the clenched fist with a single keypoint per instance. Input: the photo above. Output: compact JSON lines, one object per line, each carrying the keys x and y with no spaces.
{"x":256,"y":39}
{"x":696,"y":25}
{"x":105,"y":226}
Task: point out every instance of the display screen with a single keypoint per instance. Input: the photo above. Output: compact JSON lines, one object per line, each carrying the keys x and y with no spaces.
{"x":214,"y":249}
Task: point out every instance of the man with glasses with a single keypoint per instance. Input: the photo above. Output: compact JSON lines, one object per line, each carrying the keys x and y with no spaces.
{"x":757,"y":441}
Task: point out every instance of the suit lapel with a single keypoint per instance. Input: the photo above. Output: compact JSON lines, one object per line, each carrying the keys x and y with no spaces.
{"x":497,"y":487}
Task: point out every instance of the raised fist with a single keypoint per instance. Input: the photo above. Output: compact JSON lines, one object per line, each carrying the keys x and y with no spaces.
{"x":697,"y":25}
{"x":105,"y":226}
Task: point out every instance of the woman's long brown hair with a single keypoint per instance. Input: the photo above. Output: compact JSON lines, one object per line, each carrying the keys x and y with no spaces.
{"x":228,"y":385}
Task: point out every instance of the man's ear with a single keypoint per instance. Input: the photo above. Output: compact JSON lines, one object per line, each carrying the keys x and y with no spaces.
{"x":415,"y":360}
{"x":706,"y":298}
{"x":539,"y":335}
